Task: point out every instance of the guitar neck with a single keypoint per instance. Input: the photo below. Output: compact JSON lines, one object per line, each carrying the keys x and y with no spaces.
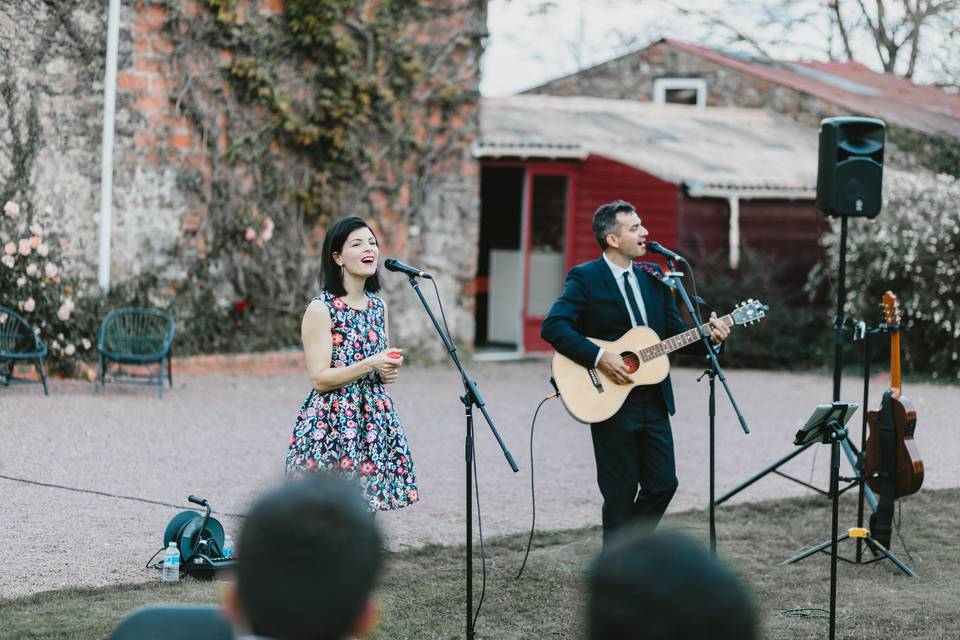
{"x":678,"y":341}
{"x":895,"y":362}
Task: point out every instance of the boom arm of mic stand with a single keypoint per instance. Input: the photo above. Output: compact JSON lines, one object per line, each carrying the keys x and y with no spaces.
{"x":469,"y":385}
{"x":706,"y":342}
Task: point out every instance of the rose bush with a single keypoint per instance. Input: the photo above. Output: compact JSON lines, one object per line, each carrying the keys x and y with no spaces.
{"x":34,"y":284}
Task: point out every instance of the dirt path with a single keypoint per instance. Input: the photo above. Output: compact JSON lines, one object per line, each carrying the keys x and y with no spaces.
{"x":224,"y":437}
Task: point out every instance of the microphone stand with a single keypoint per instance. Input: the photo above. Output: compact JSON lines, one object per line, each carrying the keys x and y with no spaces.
{"x":712,"y":373}
{"x":470,"y":399}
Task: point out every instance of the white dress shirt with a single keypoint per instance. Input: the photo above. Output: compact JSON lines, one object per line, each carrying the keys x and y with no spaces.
{"x":635,"y":285}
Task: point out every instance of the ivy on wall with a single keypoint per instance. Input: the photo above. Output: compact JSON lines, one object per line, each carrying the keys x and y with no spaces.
{"x":938,"y":153}
{"x":324,"y":110}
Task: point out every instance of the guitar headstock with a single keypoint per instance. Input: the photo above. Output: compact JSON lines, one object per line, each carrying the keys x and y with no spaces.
{"x":749,"y":312}
{"x":891,"y":309}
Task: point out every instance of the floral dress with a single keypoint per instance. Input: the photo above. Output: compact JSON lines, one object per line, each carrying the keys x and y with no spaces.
{"x":355,"y":428}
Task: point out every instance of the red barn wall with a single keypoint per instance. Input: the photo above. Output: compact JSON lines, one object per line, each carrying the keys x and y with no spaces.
{"x":788,"y":229}
{"x":603,"y":180}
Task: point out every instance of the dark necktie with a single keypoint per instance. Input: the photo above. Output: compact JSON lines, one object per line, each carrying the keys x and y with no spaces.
{"x":631,"y":300}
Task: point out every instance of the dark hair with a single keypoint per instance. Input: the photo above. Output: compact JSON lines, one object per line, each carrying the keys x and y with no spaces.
{"x":664,"y":586}
{"x":310,"y":541}
{"x":605,"y":220}
{"x":331,"y":274}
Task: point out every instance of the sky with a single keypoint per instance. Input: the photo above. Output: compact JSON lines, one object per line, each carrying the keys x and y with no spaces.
{"x":524,"y":50}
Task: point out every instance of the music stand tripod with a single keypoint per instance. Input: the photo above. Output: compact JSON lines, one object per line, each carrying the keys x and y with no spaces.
{"x":826,"y":424}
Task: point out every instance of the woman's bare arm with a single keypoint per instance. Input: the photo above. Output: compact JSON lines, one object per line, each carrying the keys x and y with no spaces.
{"x":318,"y":352}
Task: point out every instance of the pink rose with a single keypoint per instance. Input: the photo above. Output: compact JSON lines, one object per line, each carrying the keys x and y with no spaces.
{"x":29,"y":305}
{"x":43,"y":250}
{"x":10,"y":248}
{"x":36,"y":229}
{"x":51,"y":270}
{"x":24,"y":247}
{"x":250,"y":235}
{"x":8,"y":261}
{"x":63,"y":313}
{"x":34,"y":242}
{"x":11,"y":209}
{"x":70,"y":350}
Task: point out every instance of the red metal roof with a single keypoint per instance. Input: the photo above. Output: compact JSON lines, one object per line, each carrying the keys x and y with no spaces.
{"x":852,"y":86}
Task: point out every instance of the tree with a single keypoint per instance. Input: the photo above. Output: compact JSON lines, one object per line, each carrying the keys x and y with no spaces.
{"x":904,"y":37}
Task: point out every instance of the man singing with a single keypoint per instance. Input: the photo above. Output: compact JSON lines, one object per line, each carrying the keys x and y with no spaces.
{"x":603,"y":299}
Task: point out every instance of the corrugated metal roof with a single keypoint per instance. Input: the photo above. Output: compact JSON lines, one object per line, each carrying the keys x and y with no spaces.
{"x":852,"y":86}
{"x":712,"y":149}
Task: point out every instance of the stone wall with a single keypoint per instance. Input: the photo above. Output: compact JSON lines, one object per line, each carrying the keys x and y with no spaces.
{"x":170,"y":165}
{"x":631,"y":77}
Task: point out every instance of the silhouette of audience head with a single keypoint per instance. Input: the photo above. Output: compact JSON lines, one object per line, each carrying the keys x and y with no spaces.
{"x":664,"y":586}
{"x":308,"y":555}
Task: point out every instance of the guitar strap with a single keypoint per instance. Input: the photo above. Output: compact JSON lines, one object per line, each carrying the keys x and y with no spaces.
{"x":881,"y":522}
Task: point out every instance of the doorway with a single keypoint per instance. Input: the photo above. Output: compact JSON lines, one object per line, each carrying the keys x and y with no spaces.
{"x":499,"y":267}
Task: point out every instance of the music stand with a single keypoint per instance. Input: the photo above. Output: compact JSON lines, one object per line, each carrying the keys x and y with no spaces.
{"x":827,"y":424}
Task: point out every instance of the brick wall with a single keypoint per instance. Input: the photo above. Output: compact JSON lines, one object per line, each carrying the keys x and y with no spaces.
{"x":165,"y":166}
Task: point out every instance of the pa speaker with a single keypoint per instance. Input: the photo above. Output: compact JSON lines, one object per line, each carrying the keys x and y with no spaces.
{"x":850,"y":170}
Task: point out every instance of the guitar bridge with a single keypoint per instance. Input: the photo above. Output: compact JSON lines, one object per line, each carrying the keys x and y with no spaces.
{"x":595,"y":379}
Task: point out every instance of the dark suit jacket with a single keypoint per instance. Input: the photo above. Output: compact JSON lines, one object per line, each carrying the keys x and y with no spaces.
{"x":591,"y":305}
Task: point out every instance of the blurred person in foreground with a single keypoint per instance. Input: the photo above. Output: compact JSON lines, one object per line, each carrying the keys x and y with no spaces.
{"x":664,"y":586}
{"x":309,"y":554}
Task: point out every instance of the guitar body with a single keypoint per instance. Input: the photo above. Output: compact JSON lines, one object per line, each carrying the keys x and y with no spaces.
{"x":589,"y":395}
{"x":909,"y":466}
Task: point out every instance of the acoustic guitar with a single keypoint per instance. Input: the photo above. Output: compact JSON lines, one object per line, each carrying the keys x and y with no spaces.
{"x":905,"y":465}
{"x":590,"y":396}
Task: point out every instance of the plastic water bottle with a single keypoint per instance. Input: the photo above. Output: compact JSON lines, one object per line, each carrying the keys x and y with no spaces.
{"x":228,"y":549}
{"x":171,"y":563}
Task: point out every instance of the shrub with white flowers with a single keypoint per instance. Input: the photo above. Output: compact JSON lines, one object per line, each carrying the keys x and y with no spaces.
{"x":33,"y":284}
{"x":912,"y":249}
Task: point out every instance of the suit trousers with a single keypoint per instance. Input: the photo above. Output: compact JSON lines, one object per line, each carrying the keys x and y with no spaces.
{"x":636,"y":472}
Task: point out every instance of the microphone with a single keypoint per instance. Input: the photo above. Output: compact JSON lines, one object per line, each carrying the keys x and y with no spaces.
{"x":392,"y":264}
{"x":656,"y":247}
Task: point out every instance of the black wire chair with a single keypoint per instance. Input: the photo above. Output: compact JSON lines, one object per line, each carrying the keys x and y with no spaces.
{"x":19,"y":342}
{"x":139,"y":337}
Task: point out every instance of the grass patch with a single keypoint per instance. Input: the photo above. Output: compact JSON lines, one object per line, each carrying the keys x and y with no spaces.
{"x":422,"y":591}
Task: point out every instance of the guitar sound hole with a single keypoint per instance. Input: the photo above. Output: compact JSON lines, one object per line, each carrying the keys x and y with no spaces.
{"x":631,"y":360}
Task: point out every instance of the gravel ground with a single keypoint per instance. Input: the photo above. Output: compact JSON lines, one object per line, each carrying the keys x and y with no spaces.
{"x":225,"y":436}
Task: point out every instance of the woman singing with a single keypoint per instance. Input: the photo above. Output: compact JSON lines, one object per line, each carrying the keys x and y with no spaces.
{"x":348,"y":422}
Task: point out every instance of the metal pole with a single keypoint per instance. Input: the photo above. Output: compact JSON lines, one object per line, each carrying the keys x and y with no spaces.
{"x":840,"y":320}
{"x":106,"y":151}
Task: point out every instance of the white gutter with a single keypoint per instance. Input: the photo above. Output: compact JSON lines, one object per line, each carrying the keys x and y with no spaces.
{"x":106,"y":158}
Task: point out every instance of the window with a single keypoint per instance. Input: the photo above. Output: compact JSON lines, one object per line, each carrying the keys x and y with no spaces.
{"x":691,"y":91}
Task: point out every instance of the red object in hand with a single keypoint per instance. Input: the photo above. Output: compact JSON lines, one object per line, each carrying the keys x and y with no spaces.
{"x":394,"y":355}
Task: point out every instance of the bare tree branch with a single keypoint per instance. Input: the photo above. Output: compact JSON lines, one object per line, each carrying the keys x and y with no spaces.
{"x":844,"y":36}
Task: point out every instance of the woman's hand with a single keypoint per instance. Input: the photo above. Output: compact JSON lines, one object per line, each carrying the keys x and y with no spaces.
{"x":386,"y":362}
